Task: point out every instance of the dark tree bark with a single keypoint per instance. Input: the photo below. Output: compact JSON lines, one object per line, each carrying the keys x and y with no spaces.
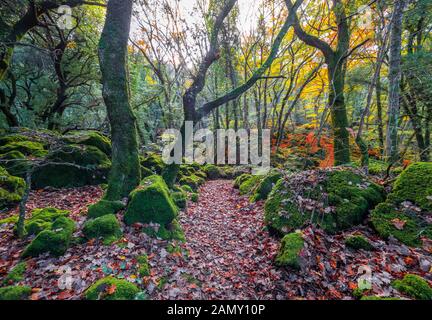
{"x":125,"y":173}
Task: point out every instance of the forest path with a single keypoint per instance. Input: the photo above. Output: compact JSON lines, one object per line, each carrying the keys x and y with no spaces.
{"x":230,"y":252}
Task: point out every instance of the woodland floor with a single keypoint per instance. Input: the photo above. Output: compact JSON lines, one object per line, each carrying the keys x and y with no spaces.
{"x":228,"y":254}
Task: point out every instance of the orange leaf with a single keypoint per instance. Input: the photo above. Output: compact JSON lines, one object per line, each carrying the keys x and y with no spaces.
{"x":111,"y":289}
{"x":398,"y":223}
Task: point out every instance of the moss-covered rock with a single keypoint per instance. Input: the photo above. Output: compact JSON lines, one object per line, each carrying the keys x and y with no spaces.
{"x":12,"y":138}
{"x":180,"y":199}
{"x":414,"y":185}
{"x":334,"y":198}
{"x":266,"y":185}
{"x":15,"y":293}
{"x":153,"y":162}
{"x":192,"y":181}
{"x":106,"y":227}
{"x":28,"y":148}
{"x":73,"y":166}
{"x":11,"y":189}
{"x":143,"y":265}
{"x":379,"y":298}
{"x":104,"y":207}
{"x":289,"y":251}
{"x":42,"y":219}
{"x":414,"y":286}
{"x":151,"y":202}
{"x":55,"y":240}
{"x":172,"y":231}
{"x":110,"y":288}
{"x":89,"y":138}
{"x":145,"y":172}
{"x":240,"y":179}
{"x":213,"y":172}
{"x":358,"y":242}
{"x":250,"y":184}
{"x":169,"y":174}
{"x":15,"y":163}
{"x":194,"y":197}
{"x":16,"y":274}
{"x":187,"y":188}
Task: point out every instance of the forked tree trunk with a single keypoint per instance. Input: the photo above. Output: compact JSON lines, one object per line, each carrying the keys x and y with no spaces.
{"x":125,"y":172}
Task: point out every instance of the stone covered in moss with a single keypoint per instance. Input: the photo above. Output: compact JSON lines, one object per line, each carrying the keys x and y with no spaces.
{"x":42,"y":219}
{"x":180,"y":199}
{"x":11,"y":189}
{"x":73,"y":166}
{"x":28,"y":148}
{"x":240,"y":179}
{"x":15,"y":163}
{"x":55,"y":240}
{"x":250,"y":184}
{"x":414,"y":286}
{"x":4,"y":140}
{"x":89,"y":138}
{"x":194,"y":197}
{"x":106,"y":227}
{"x":187,"y":188}
{"x":213,"y":172}
{"x":414,"y":185}
{"x":266,"y":185}
{"x":169,"y":174}
{"x":289,"y":251}
{"x":379,"y":298}
{"x":15,"y":293}
{"x":110,"y":288}
{"x":358,"y":242}
{"x":153,"y":162}
{"x":16,"y":274}
{"x":151,"y":202}
{"x":192,"y":181}
{"x":104,"y":207}
{"x":172,"y":231}
{"x":335,"y":199}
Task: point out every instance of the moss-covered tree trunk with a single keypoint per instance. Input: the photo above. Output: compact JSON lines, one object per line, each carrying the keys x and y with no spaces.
{"x":113,"y":48}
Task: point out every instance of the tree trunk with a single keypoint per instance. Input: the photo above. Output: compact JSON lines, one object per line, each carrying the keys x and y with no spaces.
{"x":394,"y":81}
{"x":125,"y":172}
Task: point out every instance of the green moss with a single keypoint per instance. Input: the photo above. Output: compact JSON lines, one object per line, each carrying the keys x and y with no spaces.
{"x":11,"y":189}
{"x":346,"y":196}
{"x":414,"y":286}
{"x":122,"y":290}
{"x":171,"y":232}
{"x":55,"y":241}
{"x":192,"y":181}
{"x":73,"y":166}
{"x":104,"y":207}
{"x":151,"y":202}
{"x":145,"y":172}
{"x":28,"y":148}
{"x":15,"y":293}
{"x":16,"y":274}
{"x":249,"y":184}
{"x":42,"y":219}
{"x":358,"y":242}
{"x":288,"y":254}
{"x":383,"y":217}
{"x":89,"y":138}
{"x":106,"y":227}
{"x":11,"y":219}
{"x":12,"y":138}
{"x":180,"y":199}
{"x":169,"y":174}
{"x":187,"y":188}
{"x":264,"y":188}
{"x":194,"y":197}
{"x":15,"y":163}
{"x":414,"y":184}
{"x":379,"y":298}
{"x":240,"y":179}
{"x":153,"y":162}
{"x":213,"y":172}
{"x":143,"y":265}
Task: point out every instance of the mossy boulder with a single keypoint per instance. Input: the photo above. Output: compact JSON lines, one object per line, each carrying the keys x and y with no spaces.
{"x":169,"y":174}
{"x":55,"y":240}
{"x":194,"y":197}
{"x":172,"y":231}
{"x":404,"y":214}
{"x":73,"y":166}
{"x":180,"y":199}
{"x":187,"y":188}
{"x":16,"y":274}
{"x":104,"y":207}
{"x":11,"y":189}
{"x":334,"y":198}
{"x":153,"y":162}
{"x":28,"y":148}
{"x":151,"y":202}
{"x":110,"y":288}
{"x":106,"y":227}
{"x":250,"y":184}
{"x":289,"y":251}
{"x":414,"y":286}
{"x":15,"y":163}
{"x":15,"y":293}
{"x":192,"y":181}
{"x":143,"y":265}
{"x":358,"y":242}
{"x":89,"y":138}
{"x":43,"y":219}
{"x":266,"y":185}
{"x":414,"y":185}
{"x":375,"y":298}
{"x":240,"y":179}
{"x":213,"y":172}
{"x":7,"y":139}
